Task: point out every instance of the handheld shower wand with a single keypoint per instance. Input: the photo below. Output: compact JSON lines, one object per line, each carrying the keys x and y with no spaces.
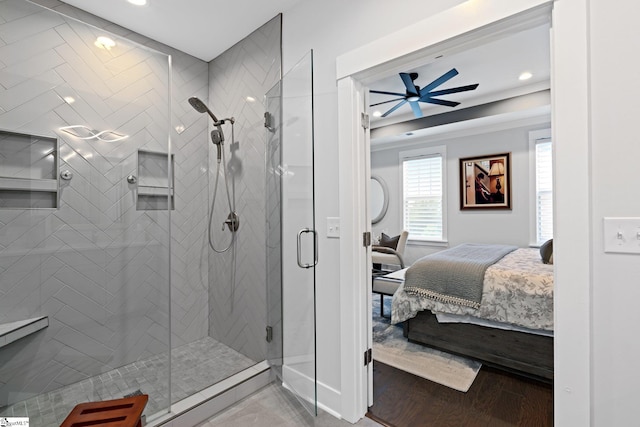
{"x":201,"y":108}
{"x":217,"y":138}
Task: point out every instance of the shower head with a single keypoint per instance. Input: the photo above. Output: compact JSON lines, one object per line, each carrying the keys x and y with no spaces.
{"x":217,"y":137}
{"x":199,"y":106}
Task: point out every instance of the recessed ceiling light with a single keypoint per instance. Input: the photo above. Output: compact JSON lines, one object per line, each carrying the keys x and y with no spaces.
{"x":250,"y":99}
{"x":138,"y":2}
{"x":525,"y":76}
{"x":377,"y":113}
{"x":104,"y":42}
{"x":69,"y":99}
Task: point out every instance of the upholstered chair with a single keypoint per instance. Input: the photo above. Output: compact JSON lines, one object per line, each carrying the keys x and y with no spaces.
{"x":386,"y":254}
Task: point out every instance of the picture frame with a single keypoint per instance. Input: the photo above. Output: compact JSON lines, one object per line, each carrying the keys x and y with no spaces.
{"x":485,"y":182}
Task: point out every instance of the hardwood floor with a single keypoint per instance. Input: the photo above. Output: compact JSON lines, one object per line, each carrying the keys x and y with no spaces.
{"x":495,"y":399}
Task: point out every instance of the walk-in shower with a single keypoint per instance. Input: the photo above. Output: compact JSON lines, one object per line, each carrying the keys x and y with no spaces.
{"x":108,"y":286}
{"x":217,"y":138}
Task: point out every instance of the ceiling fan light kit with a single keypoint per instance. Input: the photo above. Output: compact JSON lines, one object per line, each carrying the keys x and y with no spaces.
{"x":414,"y":94}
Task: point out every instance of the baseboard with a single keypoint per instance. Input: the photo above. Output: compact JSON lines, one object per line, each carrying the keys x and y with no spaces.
{"x":329,"y":399}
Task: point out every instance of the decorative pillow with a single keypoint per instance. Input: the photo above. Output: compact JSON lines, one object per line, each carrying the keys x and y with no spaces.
{"x":546,"y":252}
{"x":389,"y":242}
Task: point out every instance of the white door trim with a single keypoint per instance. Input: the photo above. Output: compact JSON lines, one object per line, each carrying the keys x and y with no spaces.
{"x":461,"y":25}
{"x":354,"y":282}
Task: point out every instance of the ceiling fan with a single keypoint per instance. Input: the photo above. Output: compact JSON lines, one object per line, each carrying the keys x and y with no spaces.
{"x":415,"y":94}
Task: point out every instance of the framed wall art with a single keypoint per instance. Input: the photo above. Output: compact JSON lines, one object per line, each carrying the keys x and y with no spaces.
{"x":485,"y":182}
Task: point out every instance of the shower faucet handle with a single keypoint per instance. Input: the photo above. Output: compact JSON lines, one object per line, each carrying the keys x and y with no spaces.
{"x":232,"y":221}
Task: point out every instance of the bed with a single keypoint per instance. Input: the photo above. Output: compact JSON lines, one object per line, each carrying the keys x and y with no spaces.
{"x":505,"y":320}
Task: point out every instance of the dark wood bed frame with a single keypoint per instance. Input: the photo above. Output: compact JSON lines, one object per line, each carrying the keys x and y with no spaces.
{"x":518,"y":352}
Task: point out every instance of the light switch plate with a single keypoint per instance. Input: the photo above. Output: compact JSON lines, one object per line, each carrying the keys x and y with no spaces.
{"x":333,"y":227}
{"x":622,"y":235}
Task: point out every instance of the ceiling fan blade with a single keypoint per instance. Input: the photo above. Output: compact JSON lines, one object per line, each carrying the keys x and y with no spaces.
{"x":385,"y":102}
{"x":439,"y":102}
{"x":387,"y":93}
{"x":416,"y":109}
{"x":453,"y":90}
{"x":395,"y":107}
{"x":408,"y":82}
{"x":437,"y":82}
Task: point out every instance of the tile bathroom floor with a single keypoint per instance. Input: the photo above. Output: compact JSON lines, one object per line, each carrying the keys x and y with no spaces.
{"x":275,"y":406}
{"x":195,"y":366}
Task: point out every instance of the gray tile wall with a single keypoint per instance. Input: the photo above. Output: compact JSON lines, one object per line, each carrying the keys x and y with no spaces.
{"x":96,"y":266}
{"x":189,"y":136}
{"x":238,"y":308}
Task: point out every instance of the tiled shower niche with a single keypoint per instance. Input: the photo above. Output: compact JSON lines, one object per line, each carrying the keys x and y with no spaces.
{"x":28,"y":171}
{"x":154,"y":182}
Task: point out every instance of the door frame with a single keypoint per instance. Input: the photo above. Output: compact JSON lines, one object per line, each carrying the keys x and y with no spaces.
{"x":462,"y":25}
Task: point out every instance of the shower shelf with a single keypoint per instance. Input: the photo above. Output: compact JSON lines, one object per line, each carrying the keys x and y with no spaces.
{"x":29,"y":165}
{"x":24,"y":184}
{"x":10,"y":332}
{"x":149,"y":190}
{"x":154,"y":181}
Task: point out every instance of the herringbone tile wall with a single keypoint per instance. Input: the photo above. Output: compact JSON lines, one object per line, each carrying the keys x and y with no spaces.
{"x":237,"y":305}
{"x":96,"y":266}
{"x":189,"y":138}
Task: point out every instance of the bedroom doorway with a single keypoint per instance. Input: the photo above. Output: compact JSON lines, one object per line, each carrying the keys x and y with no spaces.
{"x":496,"y":117}
{"x":462,"y":26}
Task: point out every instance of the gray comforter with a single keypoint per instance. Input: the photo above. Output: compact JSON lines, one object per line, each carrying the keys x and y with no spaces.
{"x":454,"y":276}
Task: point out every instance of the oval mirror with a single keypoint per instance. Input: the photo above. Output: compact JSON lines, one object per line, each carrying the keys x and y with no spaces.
{"x":379,"y":199}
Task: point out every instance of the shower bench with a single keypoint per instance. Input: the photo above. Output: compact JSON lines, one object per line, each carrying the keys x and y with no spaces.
{"x":12,"y":331}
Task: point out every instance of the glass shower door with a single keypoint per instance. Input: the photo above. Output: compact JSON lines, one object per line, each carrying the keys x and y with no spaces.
{"x":292,"y":240}
{"x":85,"y":239}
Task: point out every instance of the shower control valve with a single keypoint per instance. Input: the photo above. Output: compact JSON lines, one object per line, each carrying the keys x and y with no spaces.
{"x":232,"y":221}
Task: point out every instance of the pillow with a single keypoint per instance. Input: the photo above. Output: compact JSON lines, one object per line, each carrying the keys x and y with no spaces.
{"x":546,"y":252}
{"x":389,"y":242}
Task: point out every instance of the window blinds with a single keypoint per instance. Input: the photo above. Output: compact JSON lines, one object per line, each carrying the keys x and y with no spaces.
{"x":423,"y":197}
{"x":544,"y":191}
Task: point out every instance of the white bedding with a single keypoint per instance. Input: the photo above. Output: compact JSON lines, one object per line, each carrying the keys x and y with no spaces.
{"x":518,"y":290}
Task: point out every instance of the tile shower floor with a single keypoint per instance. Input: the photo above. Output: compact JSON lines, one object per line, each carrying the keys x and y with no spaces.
{"x":195,"y":366}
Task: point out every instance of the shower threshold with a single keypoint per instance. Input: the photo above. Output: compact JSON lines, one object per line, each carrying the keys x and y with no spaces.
{"x":198,"y":367}
{"x":203,"y":405}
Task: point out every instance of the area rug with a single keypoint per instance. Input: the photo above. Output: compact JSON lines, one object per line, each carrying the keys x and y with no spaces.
{"x":392,"y":348}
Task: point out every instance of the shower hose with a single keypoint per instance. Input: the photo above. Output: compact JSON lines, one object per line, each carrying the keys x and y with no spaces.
{"x":232,"y":207}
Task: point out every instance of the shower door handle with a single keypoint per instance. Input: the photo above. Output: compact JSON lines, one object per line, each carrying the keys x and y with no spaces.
{"x":315,"y":245}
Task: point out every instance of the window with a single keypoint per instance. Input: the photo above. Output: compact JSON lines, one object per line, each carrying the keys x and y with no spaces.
{"x":423,"y":184}
{"x":542,"y":189}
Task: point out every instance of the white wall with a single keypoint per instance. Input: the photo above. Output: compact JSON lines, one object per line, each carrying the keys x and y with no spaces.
{"x":332,"y":28}
{"x":615,"y":153}
{"x":480,"y":226}
{"x":588,"y":32}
